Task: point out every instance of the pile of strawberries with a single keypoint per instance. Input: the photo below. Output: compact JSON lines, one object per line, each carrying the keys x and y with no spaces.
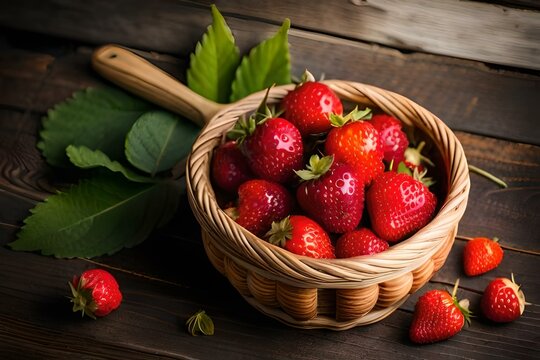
{"x":322,"y":183}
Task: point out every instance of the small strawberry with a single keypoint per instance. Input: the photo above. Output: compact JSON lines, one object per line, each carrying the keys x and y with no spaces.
{"x":302,"y":236}
{"x":503,"y":301}
{"x":414,"y":159}
{"x":229,"y":167}
{"x":272,"y":145}
{"x":481,"y":255}
{"x":359,"y":242}
{"x":399,"y":204}
{"x":308,"y":106}
{"x":438,"y":316}
{"x":356,"y":143}
{"x":331,"y":194}
{"x":260,"y":202}
{"x":95,"y":293}
{"x":393,"y":138}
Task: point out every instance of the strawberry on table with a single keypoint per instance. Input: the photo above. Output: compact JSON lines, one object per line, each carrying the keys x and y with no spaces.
{"x":393,"y":138}
{"x":399,"y":204}
{"x":481,"y":255}
{"x":438,"y":316}
{"x":95,"y":293}
{"x":331,"y":193}
{"x":502,"y":300}
{"x":260,"y":202}
{"x":230,"y":167}
{"x":357,"y":143}
{"x":272,"y":145}
{"x":302,"y":236}
{"x":359,"y":242}
{"x":309,"y":105}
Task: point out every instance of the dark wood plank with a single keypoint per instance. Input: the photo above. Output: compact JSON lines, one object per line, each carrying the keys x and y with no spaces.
{"x":513,"y":41}
{"x":467,"y":96}
{"x":509,"y":214}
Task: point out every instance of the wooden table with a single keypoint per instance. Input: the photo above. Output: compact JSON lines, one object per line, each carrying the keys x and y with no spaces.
{"x":490,"y":97}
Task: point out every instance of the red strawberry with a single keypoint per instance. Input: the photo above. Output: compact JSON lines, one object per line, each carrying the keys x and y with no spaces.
{"x":273,"y":147}
{"x":356,"y":143}
{"x":481,"y":255}
{"x":260,"y":202}
{"x":438,"y":316}
{"x":399,"y":205}
{"x":393,"y":138}
{"x":331,"y":194}
{"x":95,"y":292}
{"x":302,"y":236}
{"x":308,"y":107}
{"x":359,"y":242}
{"x":229,"y":167}
{"x":503,"y":301}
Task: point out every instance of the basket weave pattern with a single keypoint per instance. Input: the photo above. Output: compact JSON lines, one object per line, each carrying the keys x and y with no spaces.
{"x":328,"y":293}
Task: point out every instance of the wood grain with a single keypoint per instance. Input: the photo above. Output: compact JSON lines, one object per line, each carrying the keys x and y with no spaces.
{"x":470,"y":30}
{"x":466,"y":96}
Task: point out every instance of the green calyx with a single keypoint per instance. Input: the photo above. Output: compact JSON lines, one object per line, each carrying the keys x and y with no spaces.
{"x":82,"y":299}
{"x":244,"y":127}
{"x":419,"y":176}
{"x":414,"y":155}
{"x":316,"y":168}
{"x":200,"y":324}
{"x":355,"y":115}
{"x":462,"y":305}
{"x":280,"y":232}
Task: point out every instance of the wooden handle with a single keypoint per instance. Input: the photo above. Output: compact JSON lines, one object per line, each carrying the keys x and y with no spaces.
{"x":144,"y":79}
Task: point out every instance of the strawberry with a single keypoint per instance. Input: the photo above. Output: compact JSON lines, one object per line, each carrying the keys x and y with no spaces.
{"x":273,"y":146}
{"x":229,"y":167}
{"x":308,"y":106}
{"x":399,"y":205}
{"x":95,"y":293}
{"x":359,"y":242}
{"x":331,"y":194}
{"x":502,"y":300}
{"x":438,"y":316}
{"x":481,"y":255}
{"x":414,"y":158}
{"x":260,"y":202}
{"x":302,"y":236}
{"x":356,"y":143}
{"x":393,"y":138}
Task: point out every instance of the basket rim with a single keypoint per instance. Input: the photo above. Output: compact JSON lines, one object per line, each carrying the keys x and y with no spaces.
{"x":454,"y":203}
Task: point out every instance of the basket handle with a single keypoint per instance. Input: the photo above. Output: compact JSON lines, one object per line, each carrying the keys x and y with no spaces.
{"x":139,"y":76}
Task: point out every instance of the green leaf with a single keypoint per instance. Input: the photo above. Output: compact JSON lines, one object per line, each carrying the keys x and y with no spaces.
{"x":267,"y":64}
{"x":96,"y":118}
{"x":158,"y":140}
{"x":214,"y":62}
{"x":200,"y":324}
{"x":85,"y":158}
{"x":96,"y":217}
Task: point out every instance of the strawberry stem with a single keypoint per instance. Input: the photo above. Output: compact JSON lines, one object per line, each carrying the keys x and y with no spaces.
{"x":488,"y":175}
{"x":280,"y":232}
{"x":316,"y":168}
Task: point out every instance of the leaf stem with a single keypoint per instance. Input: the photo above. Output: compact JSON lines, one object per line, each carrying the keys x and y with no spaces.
{"x":488,"y":175}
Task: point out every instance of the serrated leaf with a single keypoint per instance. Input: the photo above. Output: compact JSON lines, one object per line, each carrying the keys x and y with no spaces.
{"x":96,"y":118}
{"x":85,"y":158}
{"x":267,"y":64}
{"x":98,"y":216}
{"x":214,"y":62}
{"x":158,"y":140}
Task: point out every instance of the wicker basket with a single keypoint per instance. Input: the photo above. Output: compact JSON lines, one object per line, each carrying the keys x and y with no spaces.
{"x":301,"y":291}
{"x":337,"y":293}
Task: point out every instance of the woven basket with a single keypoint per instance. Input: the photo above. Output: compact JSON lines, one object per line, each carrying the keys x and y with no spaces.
{"x":330,"y":293}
